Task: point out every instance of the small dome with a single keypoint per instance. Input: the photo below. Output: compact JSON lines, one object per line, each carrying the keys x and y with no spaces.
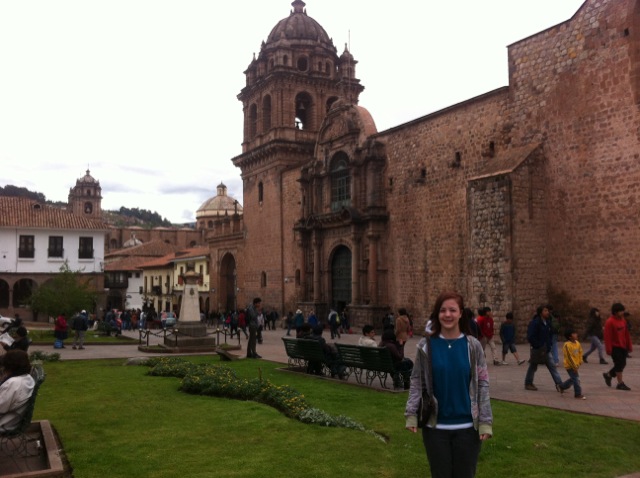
{"x":134,"y":241}
{"x":219,"y":205}
{"x":346,"y":55}
{"x":298,"y":26}
{"x":87,"y":179}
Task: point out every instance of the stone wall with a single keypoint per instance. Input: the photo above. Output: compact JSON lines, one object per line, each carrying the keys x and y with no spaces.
{"x":574,"y":86}
{"x":429,"y":163}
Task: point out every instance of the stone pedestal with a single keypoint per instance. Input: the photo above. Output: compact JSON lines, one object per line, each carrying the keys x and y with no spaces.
{"x":190,"y":334}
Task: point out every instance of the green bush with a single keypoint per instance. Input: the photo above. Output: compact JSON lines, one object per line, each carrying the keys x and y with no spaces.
{"x":39,"y":356}
{"x":221,"y":381}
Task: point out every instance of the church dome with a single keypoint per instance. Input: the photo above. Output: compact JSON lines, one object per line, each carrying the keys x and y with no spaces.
{"x":219,"y":205}
{"x":87,"y":179}
{"x":298,"y":26}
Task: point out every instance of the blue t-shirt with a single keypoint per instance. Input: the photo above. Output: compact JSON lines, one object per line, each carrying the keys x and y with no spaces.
{"x":451,"y":377}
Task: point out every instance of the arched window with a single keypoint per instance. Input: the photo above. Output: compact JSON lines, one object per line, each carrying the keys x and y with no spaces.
{"x":266,"y":114}
{"x":253,"y":121}
{"x":303,"y":111}
{"x":303,"y":63}
{"x":330,"y":102}
{"x":260,"y":192}
{"x":340,"y":182}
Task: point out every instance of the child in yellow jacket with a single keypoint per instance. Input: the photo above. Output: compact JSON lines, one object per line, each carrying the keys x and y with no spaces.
{"x":572,"y":352}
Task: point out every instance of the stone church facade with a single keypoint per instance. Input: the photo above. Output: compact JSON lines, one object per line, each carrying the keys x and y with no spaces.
{"x":525,"y":193}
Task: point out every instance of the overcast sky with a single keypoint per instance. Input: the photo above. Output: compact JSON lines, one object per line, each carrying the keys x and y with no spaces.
{"x":143,"y":92}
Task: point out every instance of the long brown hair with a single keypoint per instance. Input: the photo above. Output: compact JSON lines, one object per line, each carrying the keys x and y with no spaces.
{"x":436,"y":327}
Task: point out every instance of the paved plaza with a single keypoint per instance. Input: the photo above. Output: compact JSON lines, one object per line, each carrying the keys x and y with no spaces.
{"x":507,"y":381}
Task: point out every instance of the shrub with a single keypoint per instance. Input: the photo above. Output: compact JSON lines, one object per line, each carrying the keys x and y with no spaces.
{"x":39,"y":356}
{"x":221,"y":381}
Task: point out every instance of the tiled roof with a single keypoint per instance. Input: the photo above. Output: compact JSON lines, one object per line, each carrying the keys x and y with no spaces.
{"x":169,"y":258}
{"x":164,"y":261}
{"x":192,"y":252}
{"x":27,"y":213}
{"x":126,"y":264}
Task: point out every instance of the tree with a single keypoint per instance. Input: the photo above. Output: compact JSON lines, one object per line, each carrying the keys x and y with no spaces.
{"x":65,"y":294}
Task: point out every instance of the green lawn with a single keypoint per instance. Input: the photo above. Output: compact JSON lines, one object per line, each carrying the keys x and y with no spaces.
{"x":117,"y":421}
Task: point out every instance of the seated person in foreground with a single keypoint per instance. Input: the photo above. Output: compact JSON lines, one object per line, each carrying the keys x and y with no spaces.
{"x":402,"y":365}
{"x":367,"y":337}
{"x":21,"y":341}
{"x":16,"y":387}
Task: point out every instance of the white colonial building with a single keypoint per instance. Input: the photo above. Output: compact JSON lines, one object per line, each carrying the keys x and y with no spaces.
{"x":37,"y":239}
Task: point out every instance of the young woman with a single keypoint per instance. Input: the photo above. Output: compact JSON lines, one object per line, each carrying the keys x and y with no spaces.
{"x":462,"y":418}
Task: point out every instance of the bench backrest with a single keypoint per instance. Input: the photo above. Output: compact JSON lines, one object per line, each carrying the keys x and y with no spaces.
{"x":304,"y":349}
{"x":369,"y":358}
{"x":350,"y":355}
{"x":291,"y":348}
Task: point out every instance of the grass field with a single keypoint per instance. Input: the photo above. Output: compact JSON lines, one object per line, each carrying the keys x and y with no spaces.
{"x":117,"y":421}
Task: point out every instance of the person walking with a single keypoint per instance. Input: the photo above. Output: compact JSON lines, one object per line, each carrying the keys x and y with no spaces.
{"x":572,"y":359}
{"x":539,"y":333}
{"x":462,"y":418}
{"x":253,"y":311}
{"x":485,"y":321}
{"x":334,"y":324}
{"x":617,"y":341}
{"x":80,"y":325}
{"x":508,"y":339}
{"x":594,"y":333}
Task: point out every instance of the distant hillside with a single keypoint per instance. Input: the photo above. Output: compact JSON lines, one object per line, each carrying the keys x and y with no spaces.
{"x":135,"y":217}
{"x":125,"y":217}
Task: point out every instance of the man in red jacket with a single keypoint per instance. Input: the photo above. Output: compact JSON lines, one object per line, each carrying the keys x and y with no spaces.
{"x":485,"y":323}
{"x":617,"y":341}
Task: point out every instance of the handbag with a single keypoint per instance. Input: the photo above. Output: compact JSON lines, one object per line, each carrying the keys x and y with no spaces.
{"x":427,"y":402}
{"x":539,"y":355}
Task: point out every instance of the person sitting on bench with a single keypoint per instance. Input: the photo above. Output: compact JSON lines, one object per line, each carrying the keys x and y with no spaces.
{"x":16,"y":387}
{"x":21,"y":341}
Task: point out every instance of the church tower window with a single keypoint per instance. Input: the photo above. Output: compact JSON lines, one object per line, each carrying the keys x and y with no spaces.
{"x":340,"y":182}
{"x":266,"y":113}
{"x":253,"y":120}
{"x":303,"y":111}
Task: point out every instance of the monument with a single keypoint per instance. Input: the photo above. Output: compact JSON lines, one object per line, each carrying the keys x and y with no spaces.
{"x":189,"y":333}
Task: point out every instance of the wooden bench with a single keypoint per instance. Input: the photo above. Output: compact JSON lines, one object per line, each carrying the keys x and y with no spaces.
{"x":303,"y":352}
{"x":16,"y":442}
{"x":367,"y":363}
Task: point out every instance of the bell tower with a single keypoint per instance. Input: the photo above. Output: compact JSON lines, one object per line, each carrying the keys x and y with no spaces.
{"x":86,"y":197}
{"x":290,"y":86}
